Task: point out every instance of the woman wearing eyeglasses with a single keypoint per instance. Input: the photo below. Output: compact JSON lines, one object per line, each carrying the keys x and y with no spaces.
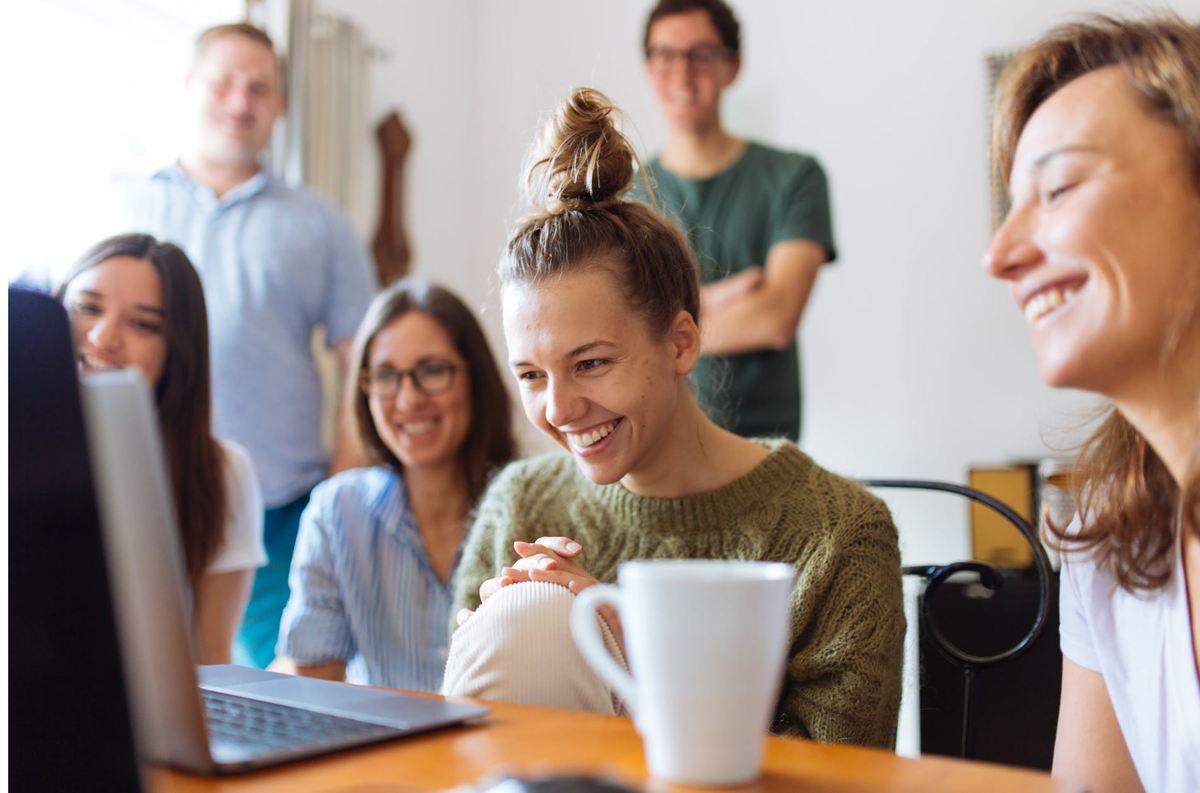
{"x":370,"y":578}
{"x":757,"y":219}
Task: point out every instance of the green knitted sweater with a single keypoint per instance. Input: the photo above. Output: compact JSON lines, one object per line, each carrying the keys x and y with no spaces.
{"x":843,"y":670}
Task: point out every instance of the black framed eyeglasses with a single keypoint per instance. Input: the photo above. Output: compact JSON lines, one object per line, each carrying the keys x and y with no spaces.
{"x":429,"y":377}
{"x":702,"y":57}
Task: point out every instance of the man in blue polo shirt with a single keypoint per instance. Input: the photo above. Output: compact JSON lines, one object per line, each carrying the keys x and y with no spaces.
{"x":276,"y":263}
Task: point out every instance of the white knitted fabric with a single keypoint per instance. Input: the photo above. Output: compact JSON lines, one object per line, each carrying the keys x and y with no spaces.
{"x":517,"y":647}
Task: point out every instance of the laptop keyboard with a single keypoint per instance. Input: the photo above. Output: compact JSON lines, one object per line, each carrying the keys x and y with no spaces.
{"x":250,"y":722}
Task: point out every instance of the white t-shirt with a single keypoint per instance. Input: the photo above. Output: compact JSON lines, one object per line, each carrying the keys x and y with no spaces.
{"x":1141,"y":643}
{"x":243,"y":545}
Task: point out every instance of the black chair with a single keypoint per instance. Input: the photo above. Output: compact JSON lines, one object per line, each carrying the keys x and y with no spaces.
{"x":933,"y":632}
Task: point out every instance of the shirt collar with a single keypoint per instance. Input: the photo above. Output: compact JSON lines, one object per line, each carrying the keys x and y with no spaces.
{"x":246,"y":190}
{"x":393,"y":504}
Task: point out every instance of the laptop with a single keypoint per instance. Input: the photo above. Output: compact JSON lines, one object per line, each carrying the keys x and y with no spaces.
{"x":225,"y":718}
{"x":68,"y":714}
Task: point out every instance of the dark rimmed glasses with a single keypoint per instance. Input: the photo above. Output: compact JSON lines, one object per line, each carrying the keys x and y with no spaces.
{"x":702,"y":57}
{"x":429,"y":377}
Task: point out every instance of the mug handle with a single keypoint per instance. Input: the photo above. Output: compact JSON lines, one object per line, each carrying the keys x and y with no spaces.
{"x":587,"y":638}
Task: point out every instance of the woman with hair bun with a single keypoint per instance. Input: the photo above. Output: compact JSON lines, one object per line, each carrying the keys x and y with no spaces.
{"x":601,"y":310}
{"x":1098,"y":134}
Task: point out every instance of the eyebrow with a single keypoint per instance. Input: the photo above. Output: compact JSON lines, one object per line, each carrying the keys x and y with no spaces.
{"x":580,"y":350}
{"x":1071,"y":148}
{"x":139,"y":306}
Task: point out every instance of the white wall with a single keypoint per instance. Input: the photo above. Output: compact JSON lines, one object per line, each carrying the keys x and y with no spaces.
{"x":915,"y":363}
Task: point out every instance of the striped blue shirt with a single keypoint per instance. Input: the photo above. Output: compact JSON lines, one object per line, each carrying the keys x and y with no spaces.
{"x":363,"y":590}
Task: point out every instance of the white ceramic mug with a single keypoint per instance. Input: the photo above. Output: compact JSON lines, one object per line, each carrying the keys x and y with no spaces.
{"x":706,"y":641}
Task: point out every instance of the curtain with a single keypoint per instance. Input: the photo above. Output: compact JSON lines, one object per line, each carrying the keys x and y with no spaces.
{"x":321,"y":142}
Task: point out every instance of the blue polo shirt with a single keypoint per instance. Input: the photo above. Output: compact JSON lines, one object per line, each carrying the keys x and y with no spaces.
{"x":276,"y":263}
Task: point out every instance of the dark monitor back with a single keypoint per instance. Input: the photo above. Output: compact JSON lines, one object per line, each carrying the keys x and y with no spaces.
{"x":69,"y":725}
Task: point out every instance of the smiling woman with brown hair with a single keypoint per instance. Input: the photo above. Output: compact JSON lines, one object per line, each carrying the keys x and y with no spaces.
{"x":601,"y":308}
{"x":136,"y":302}
{"x":371,"y":576}
{"x":1098,"y":133}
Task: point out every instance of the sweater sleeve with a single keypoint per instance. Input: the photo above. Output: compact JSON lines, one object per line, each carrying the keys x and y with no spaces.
{"x":488,"y":546}
{"x":843,"y":672}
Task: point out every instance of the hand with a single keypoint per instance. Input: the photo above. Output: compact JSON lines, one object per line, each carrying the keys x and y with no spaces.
{"x":549,"y":559}
{"x":722,"y":291}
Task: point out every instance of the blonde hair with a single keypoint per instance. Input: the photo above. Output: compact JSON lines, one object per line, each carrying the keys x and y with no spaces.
{"x":1128,"y":501}
{"x":582,"y":167}
{"x":244,"y":30}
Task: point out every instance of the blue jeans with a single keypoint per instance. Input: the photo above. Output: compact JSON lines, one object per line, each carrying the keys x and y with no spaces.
{"x":255,"y":642}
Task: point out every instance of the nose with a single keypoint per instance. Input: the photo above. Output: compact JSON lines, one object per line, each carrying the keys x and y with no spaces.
{"x":1013,"y":248}
{"x":238,"y":98}
{"x":407,"y":394}
{"x":104,"y":334}
{"x":563,"y":403}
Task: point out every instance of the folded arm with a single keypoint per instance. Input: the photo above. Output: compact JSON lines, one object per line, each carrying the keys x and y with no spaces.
{"x":761,"y":309}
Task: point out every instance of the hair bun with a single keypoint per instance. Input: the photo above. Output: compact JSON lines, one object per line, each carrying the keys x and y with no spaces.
{"x":581,"y":159}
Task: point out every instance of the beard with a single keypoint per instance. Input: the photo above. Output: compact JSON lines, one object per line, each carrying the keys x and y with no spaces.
{"x":215,"y":145}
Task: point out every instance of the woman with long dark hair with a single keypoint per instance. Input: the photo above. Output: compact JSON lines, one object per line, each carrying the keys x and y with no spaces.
{"x":371,"y":576}
{"x":1098,"y":135}
{"x":137,"y":302}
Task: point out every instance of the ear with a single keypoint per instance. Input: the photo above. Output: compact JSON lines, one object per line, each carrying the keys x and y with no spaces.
{"x":683,"y":335}
{"x":735,"y":68}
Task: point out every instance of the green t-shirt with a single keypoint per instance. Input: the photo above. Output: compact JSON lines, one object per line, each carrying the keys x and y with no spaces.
{"x":732,"y":220}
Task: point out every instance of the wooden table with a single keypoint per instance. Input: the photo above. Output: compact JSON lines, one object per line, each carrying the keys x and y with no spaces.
{"x":528,"y":740}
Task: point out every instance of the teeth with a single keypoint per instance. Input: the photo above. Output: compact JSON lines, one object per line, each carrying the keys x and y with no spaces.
{"x":92,"y":362}
{"x":1046,"y":301}
{"x":582,"y":440}
{"x":419,"y":427}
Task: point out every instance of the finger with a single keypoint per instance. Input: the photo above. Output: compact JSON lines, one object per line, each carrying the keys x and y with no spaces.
{"x":488,"y":588}
{"x":563,"y":546}
{"x":572,"y":581}
{"x":531,"y":548}
{"x":462,"y":616}
{"x":577,"y":585}
{"x":539,"y":562}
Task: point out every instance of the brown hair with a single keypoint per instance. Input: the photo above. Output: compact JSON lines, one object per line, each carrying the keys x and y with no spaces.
{"x":183,"y":394}
{"x":243,"y":29}
{"x":1128,"y":501}
{"x":582,"y":167}
{"x":489,"y":443}
{"x":719,"y":12}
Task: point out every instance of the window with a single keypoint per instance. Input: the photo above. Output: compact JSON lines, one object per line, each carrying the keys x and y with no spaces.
{"x":99,"y":93}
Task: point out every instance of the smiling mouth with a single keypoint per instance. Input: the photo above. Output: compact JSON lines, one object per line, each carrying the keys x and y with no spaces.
{"x":96,"y":364}
{"x":585,"y":440}
{"x":419,"y":427}
{"x":1048,"y":300}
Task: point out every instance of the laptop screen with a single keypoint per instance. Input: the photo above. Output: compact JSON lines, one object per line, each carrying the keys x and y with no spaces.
{"x":69,"y":726}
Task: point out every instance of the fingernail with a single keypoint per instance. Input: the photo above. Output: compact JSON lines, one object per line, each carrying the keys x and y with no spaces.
{"x":546,"y":564}
{"x":573,"y":546}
